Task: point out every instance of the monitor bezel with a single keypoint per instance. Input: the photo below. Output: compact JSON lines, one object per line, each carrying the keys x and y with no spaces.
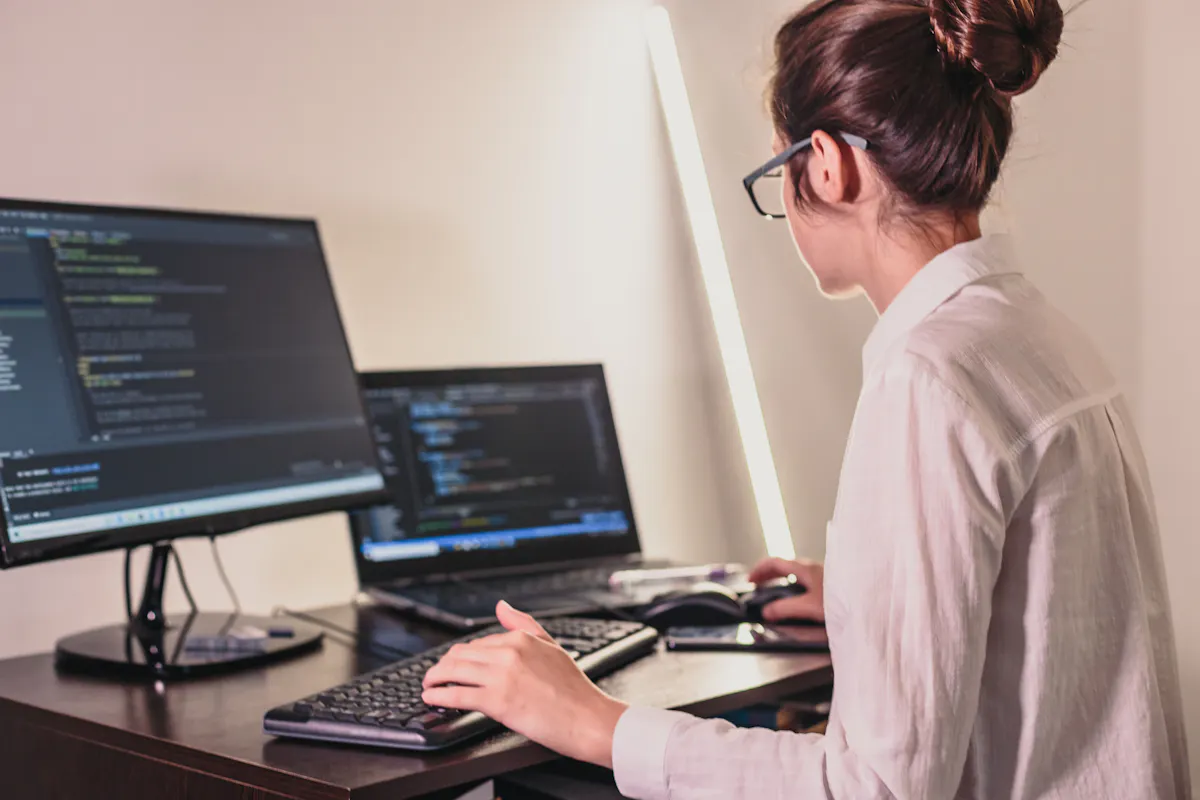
{"x":25,"y":553}
{"x":568,"y":548}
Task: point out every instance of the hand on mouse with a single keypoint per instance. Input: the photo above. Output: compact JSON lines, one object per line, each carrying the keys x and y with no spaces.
{"x":809,"y":574}
{"x":526,"y":682}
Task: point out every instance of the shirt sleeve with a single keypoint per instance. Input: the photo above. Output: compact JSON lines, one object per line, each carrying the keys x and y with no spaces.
{"x":913,"y":557}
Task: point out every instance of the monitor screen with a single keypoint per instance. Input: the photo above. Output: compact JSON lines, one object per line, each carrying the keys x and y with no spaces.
{"x":494,"y":466}
{"x":165,"y":374}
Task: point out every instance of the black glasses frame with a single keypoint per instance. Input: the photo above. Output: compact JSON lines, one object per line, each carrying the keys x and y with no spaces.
{"x":787,"y":155}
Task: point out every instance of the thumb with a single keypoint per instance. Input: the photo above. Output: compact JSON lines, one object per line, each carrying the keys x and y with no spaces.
{"x":515,"y":620}
{"x":805,"y":608}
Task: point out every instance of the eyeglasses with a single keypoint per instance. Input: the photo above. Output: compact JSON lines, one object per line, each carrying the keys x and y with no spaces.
{"x":765,"y":184}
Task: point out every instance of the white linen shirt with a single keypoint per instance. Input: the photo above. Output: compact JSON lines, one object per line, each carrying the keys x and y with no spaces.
{"x":995,"y":593}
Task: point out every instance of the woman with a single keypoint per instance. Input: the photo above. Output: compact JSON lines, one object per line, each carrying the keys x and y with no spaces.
{"x":994,"y":587}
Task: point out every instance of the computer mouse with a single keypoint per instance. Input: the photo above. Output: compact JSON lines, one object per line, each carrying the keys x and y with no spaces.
{"x":702,"y":604}
{"x":768,"y":593}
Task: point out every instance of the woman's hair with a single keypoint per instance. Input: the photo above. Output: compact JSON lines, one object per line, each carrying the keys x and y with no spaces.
{"x":929,"y":83}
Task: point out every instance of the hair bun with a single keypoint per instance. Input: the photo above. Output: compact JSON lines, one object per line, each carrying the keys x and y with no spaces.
{"x":1009,"y":42}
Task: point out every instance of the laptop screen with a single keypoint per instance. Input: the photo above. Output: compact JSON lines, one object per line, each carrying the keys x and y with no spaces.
{"x":493,"y":468}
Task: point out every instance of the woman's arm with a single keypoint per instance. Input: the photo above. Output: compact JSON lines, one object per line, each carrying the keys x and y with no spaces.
{"x":913,"y":557}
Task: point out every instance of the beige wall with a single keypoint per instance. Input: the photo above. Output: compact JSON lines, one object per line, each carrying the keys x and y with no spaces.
{"x":1069,"y":198}
{"x":493,"y":184}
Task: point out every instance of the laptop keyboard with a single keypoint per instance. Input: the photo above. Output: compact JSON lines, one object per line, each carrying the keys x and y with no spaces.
{"x":384,"y":708}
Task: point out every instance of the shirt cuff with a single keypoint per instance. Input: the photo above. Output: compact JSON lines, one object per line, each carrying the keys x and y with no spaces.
{"x":640,"y":752}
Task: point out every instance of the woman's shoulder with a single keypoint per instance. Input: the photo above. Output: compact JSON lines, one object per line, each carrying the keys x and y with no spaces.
{"x":1005,"y":351}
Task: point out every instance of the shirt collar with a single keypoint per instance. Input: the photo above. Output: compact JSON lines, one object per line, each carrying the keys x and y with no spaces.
{"x":937,"y":282}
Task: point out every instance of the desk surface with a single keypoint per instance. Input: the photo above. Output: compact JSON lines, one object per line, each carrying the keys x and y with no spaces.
{"x":214,"y":727}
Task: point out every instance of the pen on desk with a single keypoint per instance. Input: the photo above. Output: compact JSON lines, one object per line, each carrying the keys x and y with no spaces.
{"x":710,"y":572}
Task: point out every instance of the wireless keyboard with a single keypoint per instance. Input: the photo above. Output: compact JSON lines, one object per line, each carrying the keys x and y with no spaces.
{"x":384,"y":708}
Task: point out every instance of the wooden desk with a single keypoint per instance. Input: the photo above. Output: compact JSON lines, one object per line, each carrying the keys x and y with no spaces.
{"x":65,"y":736}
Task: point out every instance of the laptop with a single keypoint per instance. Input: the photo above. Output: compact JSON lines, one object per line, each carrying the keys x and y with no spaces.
{"x":507,"y":483}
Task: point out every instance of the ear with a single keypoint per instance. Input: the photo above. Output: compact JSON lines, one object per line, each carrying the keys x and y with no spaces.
{"x":832,"y":169}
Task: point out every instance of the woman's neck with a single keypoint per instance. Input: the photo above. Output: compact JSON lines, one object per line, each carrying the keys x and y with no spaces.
{"x":899,"y":256}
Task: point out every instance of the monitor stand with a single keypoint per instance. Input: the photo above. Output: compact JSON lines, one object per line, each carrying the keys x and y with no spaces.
{"x":150,"y":648}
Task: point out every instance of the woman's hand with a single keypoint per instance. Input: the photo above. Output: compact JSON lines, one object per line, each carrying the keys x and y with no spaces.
{"x":809,"y":574}
{"x":526,"y":682}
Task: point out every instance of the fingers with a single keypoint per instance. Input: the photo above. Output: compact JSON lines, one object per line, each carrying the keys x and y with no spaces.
{"x":458,"y":670}
{"x":805,"y":607}
{"x":806,"y":572}
{"x":472,"y":651}
{"x":773,"y":568}
{"x":466,"y":698}
{"x":477,"y":676}
{"x":515,"y":620}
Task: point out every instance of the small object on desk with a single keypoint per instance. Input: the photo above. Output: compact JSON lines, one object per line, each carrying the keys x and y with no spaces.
{"x":222,"y":644}
{"x":282,"y":632}
{"x":249,"y":633}
{"x":384,"y":708}
{"x":710,"y":572}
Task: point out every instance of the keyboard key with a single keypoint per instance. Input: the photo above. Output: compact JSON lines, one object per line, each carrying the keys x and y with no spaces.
{"x":395,"y":721}
{"x":430,"y":719}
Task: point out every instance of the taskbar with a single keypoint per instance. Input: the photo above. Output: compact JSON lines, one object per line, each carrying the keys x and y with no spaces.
{"x":192,"y":509}
{"x":612,"y":524}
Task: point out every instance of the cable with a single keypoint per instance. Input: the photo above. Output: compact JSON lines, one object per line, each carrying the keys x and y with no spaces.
{"x":183,"y":580}
{"x":281,"y":611}
{"x":216,"y":552}
{"x":128,"y":590}
{"x":361,"y":645}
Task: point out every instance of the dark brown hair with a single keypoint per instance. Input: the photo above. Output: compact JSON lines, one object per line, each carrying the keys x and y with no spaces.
{"x":929,"y":83}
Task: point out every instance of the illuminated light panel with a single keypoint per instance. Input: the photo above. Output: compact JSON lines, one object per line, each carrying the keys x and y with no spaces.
{"x":718,"y":285}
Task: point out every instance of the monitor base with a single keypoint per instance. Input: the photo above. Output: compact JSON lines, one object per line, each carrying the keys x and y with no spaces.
{"x":121,"y":651}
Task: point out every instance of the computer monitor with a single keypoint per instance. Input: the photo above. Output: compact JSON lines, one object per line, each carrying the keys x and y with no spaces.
{"x":493,"y":468}
{"x":167,"y":374}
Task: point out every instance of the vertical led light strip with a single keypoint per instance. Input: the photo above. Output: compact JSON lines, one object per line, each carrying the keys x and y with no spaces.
{"x":731,"y":338}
